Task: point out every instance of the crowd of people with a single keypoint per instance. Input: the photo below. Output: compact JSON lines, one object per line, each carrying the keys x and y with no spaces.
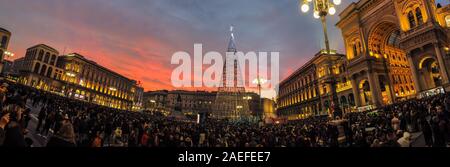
{"x":63,"y":122}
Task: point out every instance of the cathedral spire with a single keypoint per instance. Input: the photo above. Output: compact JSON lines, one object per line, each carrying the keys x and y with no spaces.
{"x":232,"y":43}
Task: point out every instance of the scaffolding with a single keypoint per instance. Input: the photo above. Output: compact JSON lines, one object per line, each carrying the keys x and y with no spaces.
{"x":231,"y":102}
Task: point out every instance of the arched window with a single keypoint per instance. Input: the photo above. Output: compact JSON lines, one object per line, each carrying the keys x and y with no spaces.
{"x":36,"y":68}
{"x":419,"y":16}
{"x":47,"y":57}
{"x":41,"y":55}
{"x":360,"y":47}
{"x":4,"y":41}
{"x":355,"y":51}
{"x":447,"y":20}
{"x":53,"y":60}
{"x":394,"y":39}
{"x":49,"y":72}
{"x":411,"y":20}
{"x":351,"y":99}
{"x":44,"y":68}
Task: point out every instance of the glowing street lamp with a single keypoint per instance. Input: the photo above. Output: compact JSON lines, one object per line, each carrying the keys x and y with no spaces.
{"x":10,"y":54}
{"x":259,"y":81}
{"x":321,"y":9}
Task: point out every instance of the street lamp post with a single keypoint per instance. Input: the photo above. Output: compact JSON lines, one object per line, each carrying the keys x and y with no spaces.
{"x":259,"y":81}
{"x":8,"y":54}
{"x":321,"y":9}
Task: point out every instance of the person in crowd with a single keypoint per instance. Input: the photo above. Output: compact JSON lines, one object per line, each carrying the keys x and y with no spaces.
{"x":78,"y":123}
{"x":97,"y":141}
{"x":65,"y":137}
{"x":118,"y":136}
{"x":4,"y":120}
{"x":41,"y":116}
{"x":405,"y":141}
{"x":13,"y":132}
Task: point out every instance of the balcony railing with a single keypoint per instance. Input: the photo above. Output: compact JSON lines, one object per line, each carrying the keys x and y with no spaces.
{"x":418,"y":28}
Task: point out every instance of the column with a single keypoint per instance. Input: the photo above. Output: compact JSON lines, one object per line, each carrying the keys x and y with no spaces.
{"x":374,"y":88}
{"x":356,"y":92}
{"x":390,"y":94}
{"x":364,"y":40}
{"x":415,"y":74}
{"x":430,"y":13}
{"x":441,"y":61}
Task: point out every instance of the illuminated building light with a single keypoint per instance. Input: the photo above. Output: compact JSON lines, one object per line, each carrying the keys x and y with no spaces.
{"x":70,"y":74}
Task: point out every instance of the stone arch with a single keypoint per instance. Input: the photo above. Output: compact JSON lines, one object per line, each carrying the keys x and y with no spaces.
{"x":410,"y":4}
{"x":47,"y":57}
{"x":365,"y":92}
{"x":430,"y":71}
{"x":410,"y":9}
{"x":49,"y":72}
{"x":379,"y":36}
{"x":343,"y":102}
{"x":37,"y":66}
{"x":43,"y":70}
{"x":384,"y":42}
{"x":41,"y":55}
{"x":351,"y":99}
{"x":355,"y":47}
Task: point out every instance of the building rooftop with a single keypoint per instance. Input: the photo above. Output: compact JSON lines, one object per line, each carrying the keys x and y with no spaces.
{"x":81,"y":57}
{"x":5,"y":31}
{"x":44,"y":46}
{"x":308,"y":64}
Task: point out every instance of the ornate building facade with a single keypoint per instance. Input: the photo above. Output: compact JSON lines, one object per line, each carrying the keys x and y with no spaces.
{"x":76,"y":77}
{"x":39,"y":68}
{"x":191,"y":103}
{"x":86,"y":80}
{"x":5,"y":36}
{"x":307,"y":91}
{"x":395,"y":50}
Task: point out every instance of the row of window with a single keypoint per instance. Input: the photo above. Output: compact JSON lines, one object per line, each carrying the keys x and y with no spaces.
{"x":300,"y":83}
{"x":303,"y":111}
{"x":357,"y":49}
{"x":404,"y":90}
{"x":101,"y":88}
{"x":43,"y":56}
{"x":91,"y":74}
{"x":4,"y":42}
{"x":402,"y":79}
{"x":298,"y":97}
{"x":415,"y":17}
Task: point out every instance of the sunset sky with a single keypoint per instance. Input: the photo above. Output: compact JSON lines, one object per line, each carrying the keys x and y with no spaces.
{"x":137,"y":38}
